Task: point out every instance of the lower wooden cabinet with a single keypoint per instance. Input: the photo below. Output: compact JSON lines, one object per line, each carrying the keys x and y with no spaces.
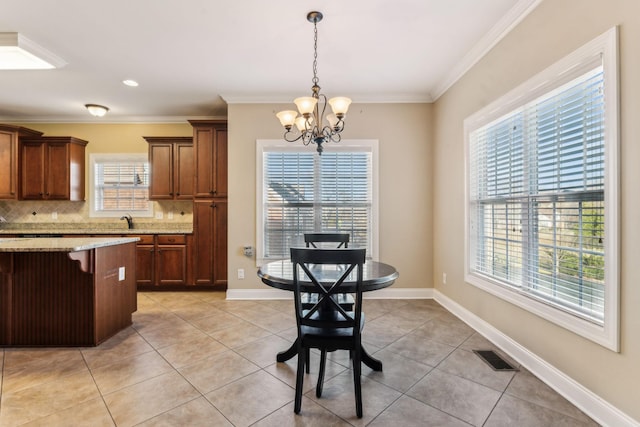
{"x":161,"y":261}
{"x":210,"y":243}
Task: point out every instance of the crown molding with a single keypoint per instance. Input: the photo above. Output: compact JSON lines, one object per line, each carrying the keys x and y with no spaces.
{"x":507,"y":23}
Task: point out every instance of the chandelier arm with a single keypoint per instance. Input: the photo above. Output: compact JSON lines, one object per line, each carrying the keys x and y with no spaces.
{"x":287,"y":137}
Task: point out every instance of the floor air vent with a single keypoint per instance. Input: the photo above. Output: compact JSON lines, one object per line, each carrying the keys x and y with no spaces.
{"x":496,"y":362}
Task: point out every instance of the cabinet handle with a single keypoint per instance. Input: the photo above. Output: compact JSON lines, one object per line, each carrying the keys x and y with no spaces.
{"x":42,"y":194}
{"x":47,"y":193}
{"x":213,"y":206}
{"x":212,"y":192}
{"x":177,"y":194}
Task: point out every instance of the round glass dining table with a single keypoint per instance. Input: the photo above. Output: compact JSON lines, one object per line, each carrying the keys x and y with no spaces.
{"x":376,"y":275}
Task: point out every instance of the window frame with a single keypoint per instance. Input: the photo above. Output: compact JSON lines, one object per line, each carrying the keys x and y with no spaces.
{"x":346,"y":145}
{"x":604,"y":48}
{"x":95,"y":158}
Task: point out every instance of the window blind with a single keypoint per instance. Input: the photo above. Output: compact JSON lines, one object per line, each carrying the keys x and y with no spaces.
{"x":305,"y":193}
{"x":121,"y":185}
{"x":536,"y":198}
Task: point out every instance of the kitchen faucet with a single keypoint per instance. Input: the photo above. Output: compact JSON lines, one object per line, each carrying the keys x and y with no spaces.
{"x":129,"y":220}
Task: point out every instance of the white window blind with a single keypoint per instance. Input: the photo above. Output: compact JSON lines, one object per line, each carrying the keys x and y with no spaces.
{"x":303,"y":192}
{"x":120,"y":185}
{"x":537,"y":191}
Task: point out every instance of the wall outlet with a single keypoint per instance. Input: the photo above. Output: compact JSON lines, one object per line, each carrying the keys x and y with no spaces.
{"x":170,"y":215}
{"x":159,"y":215}
{"x":444,"y":278}
{"x":248,"y":251}
{"x":121,"y":274}
{"x":54,"y":215}
{"x":241,"y":273}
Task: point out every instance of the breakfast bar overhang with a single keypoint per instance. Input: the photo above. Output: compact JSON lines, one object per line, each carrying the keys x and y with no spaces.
{"x":65,"y":291}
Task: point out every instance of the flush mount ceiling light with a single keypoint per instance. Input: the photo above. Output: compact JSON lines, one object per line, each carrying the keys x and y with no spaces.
{"x":131,"y":83}
{"x":309,"y":123}
{"x":97,"y":110}
{"x":19,"y":53}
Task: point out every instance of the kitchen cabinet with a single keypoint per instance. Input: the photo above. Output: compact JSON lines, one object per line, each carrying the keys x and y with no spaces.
{"x":161,"y":261}
{"x":210,"y":242}
{"x":9,"y":148}
{"x":210,"y":151}
{"x":52,"y":168}
{"x":145,"y":260}
{"x":172,"y":162}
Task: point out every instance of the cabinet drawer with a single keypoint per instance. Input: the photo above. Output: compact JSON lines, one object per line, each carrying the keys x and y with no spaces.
{"x":172,"y":239}
{"x":145,"y":239}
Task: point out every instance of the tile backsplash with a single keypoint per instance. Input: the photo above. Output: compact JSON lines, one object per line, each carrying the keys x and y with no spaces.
{"x":64,"y":212}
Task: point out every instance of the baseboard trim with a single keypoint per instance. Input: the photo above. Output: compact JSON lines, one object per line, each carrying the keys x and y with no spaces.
{"x":587,"y":401}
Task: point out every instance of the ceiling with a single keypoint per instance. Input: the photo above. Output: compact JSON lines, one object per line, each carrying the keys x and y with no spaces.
{"x":192,"y":57}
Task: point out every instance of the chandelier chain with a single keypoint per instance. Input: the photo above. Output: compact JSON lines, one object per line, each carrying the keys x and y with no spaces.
{"x":315,"y":54}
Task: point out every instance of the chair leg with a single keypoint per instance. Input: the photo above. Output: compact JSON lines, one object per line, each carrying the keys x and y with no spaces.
{"x":357,"y":369}
{"x":299,"y":380}
{"x":323,"y":362}
{"x":308,"y":354}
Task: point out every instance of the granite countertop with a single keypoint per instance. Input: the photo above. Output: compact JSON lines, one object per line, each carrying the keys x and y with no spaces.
{"x":60,"y":244}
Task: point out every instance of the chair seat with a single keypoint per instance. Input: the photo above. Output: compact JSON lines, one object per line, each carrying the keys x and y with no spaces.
{"x":328,"y":334}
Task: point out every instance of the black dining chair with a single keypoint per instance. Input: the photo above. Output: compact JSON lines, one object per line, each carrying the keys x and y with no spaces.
{"x":327,"y":326}
{"x":312,"y":240}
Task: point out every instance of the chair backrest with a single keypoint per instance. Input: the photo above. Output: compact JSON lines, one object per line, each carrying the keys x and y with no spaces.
{"x":312,"y":238}
{"x":327,"y":270}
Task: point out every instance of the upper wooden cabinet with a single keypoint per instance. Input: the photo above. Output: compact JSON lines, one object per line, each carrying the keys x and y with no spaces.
{"x":9,"y":139}
{"x":210,"y":145}
{"x":52,"y":168}
{"x":171,"y":161}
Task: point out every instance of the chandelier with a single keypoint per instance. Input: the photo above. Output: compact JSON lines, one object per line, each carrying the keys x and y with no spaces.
{"x":309,"y":124}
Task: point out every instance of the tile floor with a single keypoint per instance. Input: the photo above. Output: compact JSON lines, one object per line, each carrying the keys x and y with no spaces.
{"x":195,"y":359}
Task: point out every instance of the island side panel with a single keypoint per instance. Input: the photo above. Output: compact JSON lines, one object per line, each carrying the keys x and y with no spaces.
{"x":115,"y":296}
{"x":52,"y":301}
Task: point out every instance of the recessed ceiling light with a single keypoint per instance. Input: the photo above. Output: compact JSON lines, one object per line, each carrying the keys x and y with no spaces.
{"x":131,"y":83}
{"x":19,"y":53}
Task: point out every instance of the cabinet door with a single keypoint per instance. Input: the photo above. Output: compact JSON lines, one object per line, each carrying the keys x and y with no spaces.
{"x":32,"y":170}
{"x":183,"y":171}
{"x":220,"y":163}
{"x":219,"y":241}
{"x":56,"y":171}
{"x":145,"y":265}
{"x":171,"y":266}
{"x":161,"y":162}
{"x":210,"y":236}
{"x":8,"y":165}
{"x":203,"y":250}
{"x":203,"y":143}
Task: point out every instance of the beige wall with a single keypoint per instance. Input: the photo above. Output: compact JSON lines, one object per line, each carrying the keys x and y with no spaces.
{"x":405,"y":152}
{"x":554,"y":29}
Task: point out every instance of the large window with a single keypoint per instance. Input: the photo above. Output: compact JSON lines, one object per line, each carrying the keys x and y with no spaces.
{"x":120,"y":185}
{"x":301,"y":192}
{"x":542,"y":194}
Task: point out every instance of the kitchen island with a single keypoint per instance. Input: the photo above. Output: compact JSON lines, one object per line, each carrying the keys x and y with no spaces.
{"x":65,"y":291}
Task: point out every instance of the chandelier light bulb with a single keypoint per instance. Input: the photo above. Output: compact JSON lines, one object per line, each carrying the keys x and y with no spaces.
{"x":340,"y":105}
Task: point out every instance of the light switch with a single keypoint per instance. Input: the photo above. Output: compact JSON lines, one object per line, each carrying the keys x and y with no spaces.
{"x":121,"y":274}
